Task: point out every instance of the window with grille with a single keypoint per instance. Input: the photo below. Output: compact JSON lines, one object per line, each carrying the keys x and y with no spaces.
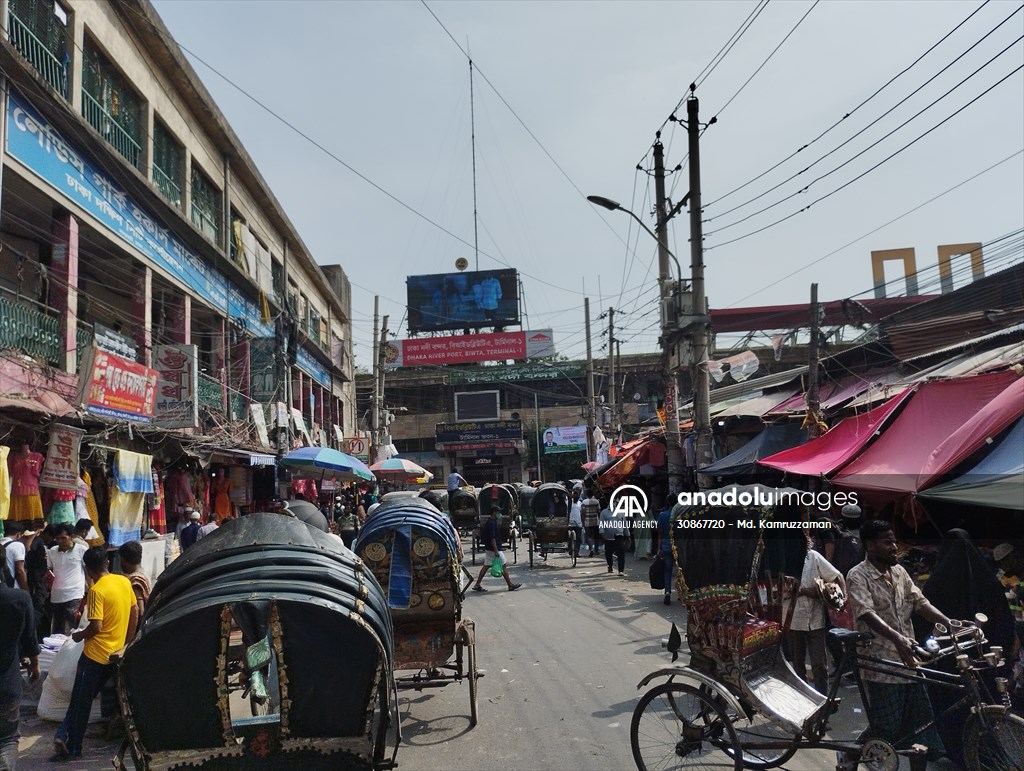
{"x":277,"y":274}
{"x":110,"y":105}
{"x":206,"y":212}
{"x":168,"y":164}
{"x":38,"y":29}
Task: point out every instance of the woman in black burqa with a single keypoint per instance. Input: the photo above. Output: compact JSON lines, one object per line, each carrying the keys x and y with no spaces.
{"x":961,"y":584}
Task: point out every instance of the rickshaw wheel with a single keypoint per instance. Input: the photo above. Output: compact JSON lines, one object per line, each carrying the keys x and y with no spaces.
{"x":530,"y":544}
{"x":1000,"y":746}
{"x":572,"y":547}
{"x":677,"y":725}
{"x":760,"y":730}
{"x":472,"y":684}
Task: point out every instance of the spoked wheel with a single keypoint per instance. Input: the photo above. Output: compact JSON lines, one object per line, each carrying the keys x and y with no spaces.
{"x":764,"y":744}
{"x":472,"y":674}
{"x":994,"y":740}
{"x":678,"y":726}
{"x":572,"y":548}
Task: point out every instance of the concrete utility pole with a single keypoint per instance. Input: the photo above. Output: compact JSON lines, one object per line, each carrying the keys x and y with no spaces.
{"x":591,"y":405}
{"x":813,"y":401}
{"x":673,"y":447}
{"x":375,"y":398}
{"x":611,"y":371}
{"x":702,"y":326}
{"x":381,"y":412}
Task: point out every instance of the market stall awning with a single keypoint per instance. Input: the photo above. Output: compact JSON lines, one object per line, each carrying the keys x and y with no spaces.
{"x":835,"y":447}
{"x":891,"y":465}
{"x":774,"y":439}
{"x":253,"y":458}
{"x":996,"y":482}
{"x":759,"y":405}
{"x":648,"y":451}
{"x":990,"y":421}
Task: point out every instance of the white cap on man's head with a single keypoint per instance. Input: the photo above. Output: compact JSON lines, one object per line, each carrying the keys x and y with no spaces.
{"x":195,"y":515}
{"x":1002,"y":551}
{"x":851,"y":511}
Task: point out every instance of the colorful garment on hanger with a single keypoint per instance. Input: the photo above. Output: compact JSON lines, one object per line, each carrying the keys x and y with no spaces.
{"x":5,"y":484}
{"x":157,"y":515}
{"x":25,"y":471}
{"x":126,"y":511}
{"x":133,"y":472}
{"x":88,"y":502}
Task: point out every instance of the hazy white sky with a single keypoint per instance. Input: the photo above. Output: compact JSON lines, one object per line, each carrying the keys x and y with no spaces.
{"x":385,"y":89}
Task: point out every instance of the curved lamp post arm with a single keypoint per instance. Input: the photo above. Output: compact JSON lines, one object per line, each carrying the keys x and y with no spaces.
{"x":610,"y":205}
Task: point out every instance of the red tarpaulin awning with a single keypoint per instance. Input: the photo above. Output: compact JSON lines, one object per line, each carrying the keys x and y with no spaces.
{"x":891,"y":466}
{"x":836,"y":447}
{"x":987,"y":423}
{"x":646,"y":451}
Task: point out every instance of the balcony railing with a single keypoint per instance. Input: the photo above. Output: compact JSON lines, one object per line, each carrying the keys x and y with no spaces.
{"x":83,"y":339}
{"x":110,"y":129}
{"x":206,"y":223}
{"x":168,"y":188}
{"x":52,"y":65}
{"x":28,"y":329}
{"x":211,"y":393}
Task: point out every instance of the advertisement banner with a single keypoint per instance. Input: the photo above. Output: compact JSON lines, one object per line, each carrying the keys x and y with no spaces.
{"x":112,"y":387}
{"x":516,"y":374}
{"x":61,"y":467}
{"x":465,"y":349}
{"x":565,"y":439}
{"x":484,"y":298}
{"x":177,"y":402}
{"x":489,"y":431}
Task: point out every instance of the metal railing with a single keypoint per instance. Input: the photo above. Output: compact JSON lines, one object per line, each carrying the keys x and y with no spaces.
{"x":211,"y":393}
{"x":206,"y":223}
{"x":111,"y":131}
{"x":83,"y":339}
{"x":167,"y":186}
{"x":28,"y":329}
{"x":51,"y":65}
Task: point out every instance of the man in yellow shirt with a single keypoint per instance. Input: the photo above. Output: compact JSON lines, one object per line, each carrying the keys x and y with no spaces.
{"x":113,"y":616}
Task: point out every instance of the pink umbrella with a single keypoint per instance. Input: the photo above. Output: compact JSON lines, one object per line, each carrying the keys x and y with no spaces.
{"x":400,"y":467}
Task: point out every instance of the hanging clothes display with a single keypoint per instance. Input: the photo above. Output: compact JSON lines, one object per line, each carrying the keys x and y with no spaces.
{"x":221,"y":491}
{"x":62,"y":510}
{"x":25,"y":467}
{"x":126,"y":510}
{"x":5,"y":484}
{"x":157,"y":516}
{"x":85,"y":508}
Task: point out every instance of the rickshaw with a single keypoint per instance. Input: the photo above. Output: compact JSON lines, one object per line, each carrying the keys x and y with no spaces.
{"x":415,"y":554}
{"x":505,"y":498}
{"x":738,"y":703}
{"x":438,"y":497}
{"x":464,"y":510}
{"x":252,"y":621}
{"x":549,"y":522}
{"x":525,"y":493}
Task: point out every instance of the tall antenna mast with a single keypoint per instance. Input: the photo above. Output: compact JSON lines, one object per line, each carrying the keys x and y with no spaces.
{"x":472,"y":131}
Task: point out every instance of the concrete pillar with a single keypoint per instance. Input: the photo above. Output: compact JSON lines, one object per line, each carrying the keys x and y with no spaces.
{"x":178,"y":319}
{"x":64,"y":290}
{"x":142,"y":312}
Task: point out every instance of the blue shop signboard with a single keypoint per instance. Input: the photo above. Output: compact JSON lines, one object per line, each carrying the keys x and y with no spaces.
{"x":41,"y":148}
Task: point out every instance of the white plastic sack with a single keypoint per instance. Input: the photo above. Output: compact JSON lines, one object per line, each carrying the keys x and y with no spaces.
{"x":53,"y":705}
{"x":61,"y":677}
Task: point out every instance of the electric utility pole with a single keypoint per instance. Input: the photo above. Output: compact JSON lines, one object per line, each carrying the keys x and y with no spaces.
{"x":673,"y":448}
{"x":813,"y":400}
{"x":375,"y":397}
{"x":591,"y":407}
{"x":701,"y":329}
{"x":611,"y":371}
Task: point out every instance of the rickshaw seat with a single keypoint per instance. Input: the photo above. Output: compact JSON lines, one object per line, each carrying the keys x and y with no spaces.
{"x":849,"y":636}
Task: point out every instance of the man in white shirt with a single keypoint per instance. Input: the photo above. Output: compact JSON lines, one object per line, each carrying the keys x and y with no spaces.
{"x":576,"y":520}
{"x":456,"y":480}
{"x":15,"y":548}
{"x":807,"y":629}
{"x":65,"y":560}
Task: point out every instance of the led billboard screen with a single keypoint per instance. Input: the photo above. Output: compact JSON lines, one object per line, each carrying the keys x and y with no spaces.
{"x":474,"y":299}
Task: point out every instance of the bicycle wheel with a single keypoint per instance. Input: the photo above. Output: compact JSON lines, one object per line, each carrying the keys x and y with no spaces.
{"x":763,"y":744}
{"x":994,"y":740}
{"x":677,"y":726}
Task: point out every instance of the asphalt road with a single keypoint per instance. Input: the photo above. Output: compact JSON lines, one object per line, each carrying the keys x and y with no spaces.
{"x":562,"y":658}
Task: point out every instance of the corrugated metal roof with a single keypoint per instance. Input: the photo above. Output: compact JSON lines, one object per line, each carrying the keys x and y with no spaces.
{"x":750,"y":388}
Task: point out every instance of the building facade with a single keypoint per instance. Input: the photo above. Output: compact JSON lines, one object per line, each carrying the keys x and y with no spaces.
{"x":130,"y":207}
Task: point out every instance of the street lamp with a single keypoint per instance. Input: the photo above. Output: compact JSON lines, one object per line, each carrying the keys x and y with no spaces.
{"x":673,"y":445}
{"x":610,"y":205}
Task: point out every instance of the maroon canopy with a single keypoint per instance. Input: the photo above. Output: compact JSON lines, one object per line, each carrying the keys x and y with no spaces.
{"x":835,"y":447}
{"x":891,"y":466}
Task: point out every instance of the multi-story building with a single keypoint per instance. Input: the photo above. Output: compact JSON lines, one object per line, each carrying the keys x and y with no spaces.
{"x":129,"y":203}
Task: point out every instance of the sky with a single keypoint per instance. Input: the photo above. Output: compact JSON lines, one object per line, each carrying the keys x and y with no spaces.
{"x":567,"y":100}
